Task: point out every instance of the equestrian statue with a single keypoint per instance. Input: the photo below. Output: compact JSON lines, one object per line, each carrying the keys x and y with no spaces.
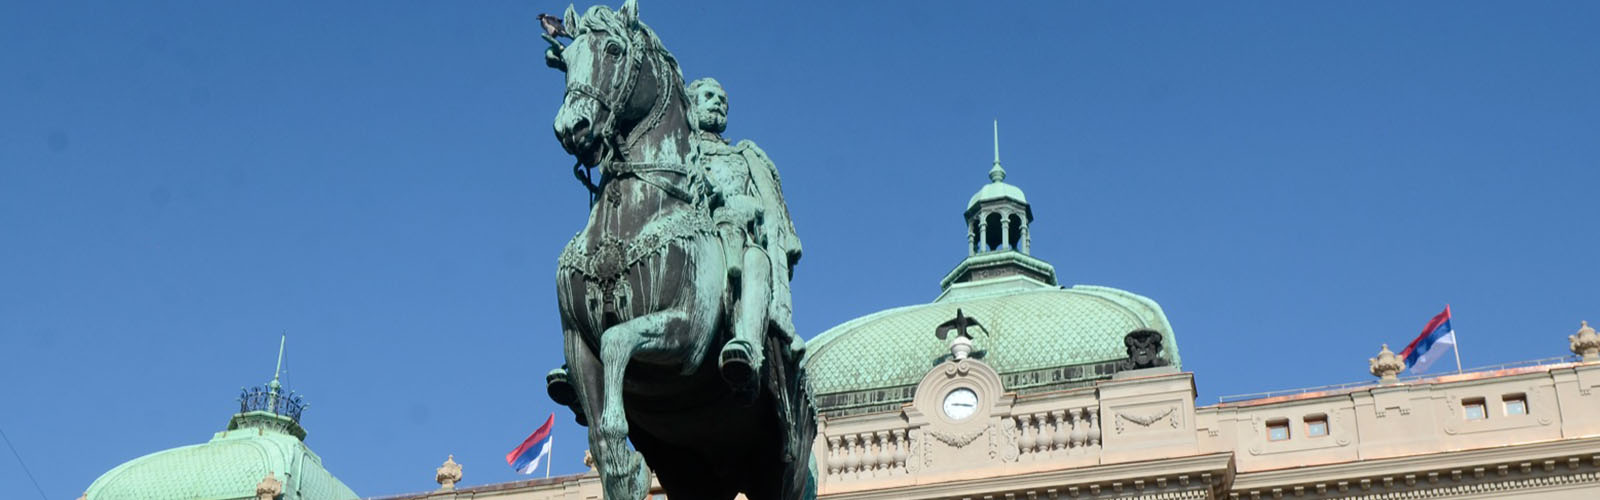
{"x":674,"y":297}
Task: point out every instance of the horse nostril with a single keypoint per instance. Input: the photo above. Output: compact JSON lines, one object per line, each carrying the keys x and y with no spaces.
{"x":579,"y":127}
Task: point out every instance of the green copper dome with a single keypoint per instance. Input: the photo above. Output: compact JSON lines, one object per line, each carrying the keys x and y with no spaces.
{"x":997,"y":190}
{"x":1036,"y":334}
{"x":227,"y":467}
{"x":1028,"y":331}
{"x":264,"y":439}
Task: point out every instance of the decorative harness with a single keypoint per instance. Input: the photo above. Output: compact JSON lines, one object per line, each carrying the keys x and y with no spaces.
{"x":605,"y":269}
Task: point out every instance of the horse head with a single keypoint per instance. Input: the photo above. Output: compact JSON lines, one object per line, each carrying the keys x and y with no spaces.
{"x":617,"y":74}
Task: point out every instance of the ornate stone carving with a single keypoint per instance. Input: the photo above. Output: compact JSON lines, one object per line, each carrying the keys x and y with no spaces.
{"x":1585,"y":343}
{"x":1003,"y":444}
{"x":448,"y":474}
{"x":1144,"y":349}
{"x":958,"y":440}
{"x":269,"y":488}
{"x":1146,"y":420}
{"x":1386,"y":366}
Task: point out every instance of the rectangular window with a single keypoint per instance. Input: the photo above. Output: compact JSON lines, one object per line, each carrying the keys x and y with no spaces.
{"x":1317,"y":425}
{"x":1516,"y":404}
{"x":1278,"y":430}
{"x":1473,"y":408}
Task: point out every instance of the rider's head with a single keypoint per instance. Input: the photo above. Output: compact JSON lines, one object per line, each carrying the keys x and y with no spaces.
{"x":710,"y":111}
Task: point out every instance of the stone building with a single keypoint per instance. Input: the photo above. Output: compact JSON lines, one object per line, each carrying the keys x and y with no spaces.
{"x":1012,"y":386}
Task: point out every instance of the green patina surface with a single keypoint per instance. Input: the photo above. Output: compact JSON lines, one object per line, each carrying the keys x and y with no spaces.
{"x":997,"y":190}
{"x":1029,"y":330}
{"x":1040,"y":336}
{"x":227,"y":467}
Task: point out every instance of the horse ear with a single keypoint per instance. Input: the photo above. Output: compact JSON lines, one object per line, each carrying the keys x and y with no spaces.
{"x":570,"y":19}
{"x":630,"y":11}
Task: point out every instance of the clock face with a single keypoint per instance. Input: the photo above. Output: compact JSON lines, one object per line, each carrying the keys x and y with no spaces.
{"x":960,"y":403}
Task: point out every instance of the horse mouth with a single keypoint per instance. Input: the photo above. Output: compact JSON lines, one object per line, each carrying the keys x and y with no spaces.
{"x":579,"y":141}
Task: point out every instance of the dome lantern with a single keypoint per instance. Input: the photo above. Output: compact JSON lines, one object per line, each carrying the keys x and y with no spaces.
{"x":999,"y":247}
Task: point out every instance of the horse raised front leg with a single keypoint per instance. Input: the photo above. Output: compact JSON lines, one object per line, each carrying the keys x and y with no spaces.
{"x":622,"y":470}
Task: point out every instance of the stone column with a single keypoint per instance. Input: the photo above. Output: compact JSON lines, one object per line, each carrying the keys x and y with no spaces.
{"x":1005,"y":230}
{"x":1025,"y":241}
{"x":983,"y":232}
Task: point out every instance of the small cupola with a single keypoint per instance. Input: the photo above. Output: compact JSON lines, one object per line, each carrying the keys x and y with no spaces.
{"x":998,"y":245}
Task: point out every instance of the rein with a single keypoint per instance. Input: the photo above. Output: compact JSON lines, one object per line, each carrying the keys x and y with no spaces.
{"x":612,"y":166}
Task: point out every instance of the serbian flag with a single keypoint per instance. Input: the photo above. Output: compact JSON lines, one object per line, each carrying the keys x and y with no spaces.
{"x":1437,"y":340}
{"x":525,"y":459}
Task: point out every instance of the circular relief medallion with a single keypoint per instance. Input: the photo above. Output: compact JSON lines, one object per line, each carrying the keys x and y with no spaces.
{"x":960,"y":403}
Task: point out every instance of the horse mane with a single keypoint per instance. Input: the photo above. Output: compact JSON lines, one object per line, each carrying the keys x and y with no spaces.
{"x":602,"y":18}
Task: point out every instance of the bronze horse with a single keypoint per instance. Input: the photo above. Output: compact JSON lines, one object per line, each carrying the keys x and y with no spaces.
{"x":644,"y":293}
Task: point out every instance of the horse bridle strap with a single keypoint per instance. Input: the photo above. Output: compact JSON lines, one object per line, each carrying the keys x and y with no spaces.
{"x":648,"y":173}
{"x":615,"y":100}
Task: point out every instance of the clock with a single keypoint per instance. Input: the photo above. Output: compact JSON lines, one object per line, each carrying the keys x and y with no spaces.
{"x":960,"y":403}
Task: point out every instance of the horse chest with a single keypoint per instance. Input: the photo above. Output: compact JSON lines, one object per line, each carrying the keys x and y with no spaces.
{"x":608,"y":264}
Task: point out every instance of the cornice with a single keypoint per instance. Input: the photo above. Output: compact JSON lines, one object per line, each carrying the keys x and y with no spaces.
{"x":1173,"y":478}
{"x":1418,"y":474}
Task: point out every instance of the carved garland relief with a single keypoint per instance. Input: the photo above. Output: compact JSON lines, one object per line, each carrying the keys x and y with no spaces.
{"x":1145,"y":420}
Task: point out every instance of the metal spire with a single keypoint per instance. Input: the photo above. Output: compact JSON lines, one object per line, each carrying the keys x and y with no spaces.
{"x":273,"y":388}
{"x":279,"y":369}
{"x":996,"y":173}
{"x":997,"y":142}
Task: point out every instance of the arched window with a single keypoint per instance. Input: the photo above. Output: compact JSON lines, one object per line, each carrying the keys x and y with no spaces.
{"x":991,"y":237}
{"x":1014,"y":232}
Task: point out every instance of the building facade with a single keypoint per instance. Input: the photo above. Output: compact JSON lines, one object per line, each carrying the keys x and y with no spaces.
{"x":1011,"y":386}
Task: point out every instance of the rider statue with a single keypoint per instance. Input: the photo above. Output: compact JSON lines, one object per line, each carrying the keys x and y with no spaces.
{"x":741,"y":189}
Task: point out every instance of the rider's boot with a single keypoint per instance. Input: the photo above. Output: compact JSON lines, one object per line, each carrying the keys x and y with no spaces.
{"x":741,"y":358}
{"x":558,"y":384}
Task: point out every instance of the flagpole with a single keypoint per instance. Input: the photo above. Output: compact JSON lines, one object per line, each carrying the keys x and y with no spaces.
{"x":552,"y":457}
{"x":1456,"y":347}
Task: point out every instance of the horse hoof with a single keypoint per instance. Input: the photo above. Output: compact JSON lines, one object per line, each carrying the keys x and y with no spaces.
{"x":559,"y":386}
{"x":739,"y":365}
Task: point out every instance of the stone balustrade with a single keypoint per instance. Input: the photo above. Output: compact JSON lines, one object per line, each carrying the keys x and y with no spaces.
{"x":1057,"y":433}
{"x":870,"y":454}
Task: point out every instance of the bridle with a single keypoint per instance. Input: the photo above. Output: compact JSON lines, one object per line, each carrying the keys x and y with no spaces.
{"x":614,"y":99}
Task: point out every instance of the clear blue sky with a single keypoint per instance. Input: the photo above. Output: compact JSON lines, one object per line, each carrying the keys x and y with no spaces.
{"x":180,"y":182}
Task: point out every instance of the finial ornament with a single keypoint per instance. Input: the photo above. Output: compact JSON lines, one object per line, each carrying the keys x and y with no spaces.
{"x":996,"y":173}
{"x":1586,"y":343}
{"x":269,"y":488}
{"x":961,"y":342}
{"x":1386,"y":366}
{"x":448,"y":474}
